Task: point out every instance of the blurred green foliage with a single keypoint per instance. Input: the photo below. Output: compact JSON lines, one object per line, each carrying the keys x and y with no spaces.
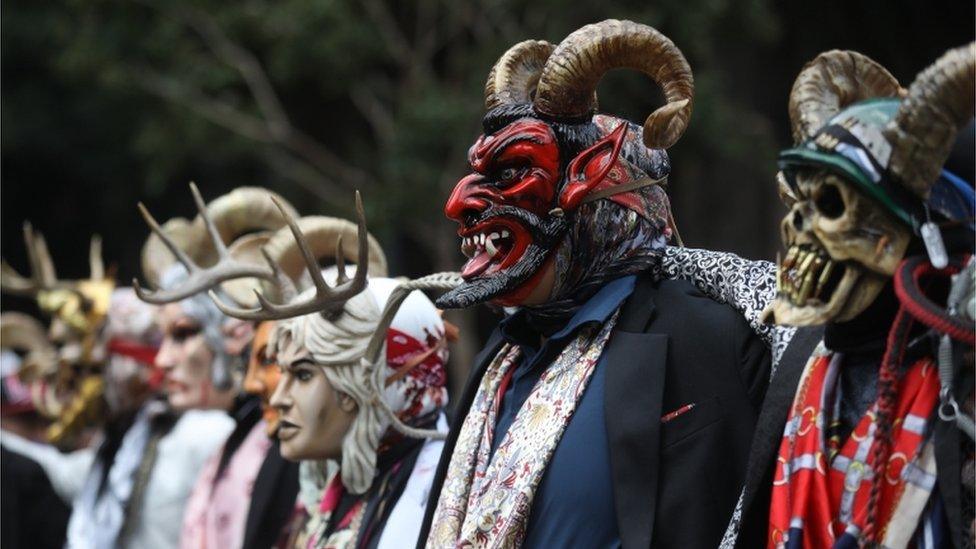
{"x":108,"y":102}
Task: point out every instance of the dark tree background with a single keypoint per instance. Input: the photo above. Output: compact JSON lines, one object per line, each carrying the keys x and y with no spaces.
{"x":108,"y":102}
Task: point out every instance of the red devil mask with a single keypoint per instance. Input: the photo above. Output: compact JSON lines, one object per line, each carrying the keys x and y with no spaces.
{"x":545,"y":155}
{"x":516,"y":206}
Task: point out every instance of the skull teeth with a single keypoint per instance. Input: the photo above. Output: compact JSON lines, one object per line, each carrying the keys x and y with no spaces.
{"x":804,"y":275}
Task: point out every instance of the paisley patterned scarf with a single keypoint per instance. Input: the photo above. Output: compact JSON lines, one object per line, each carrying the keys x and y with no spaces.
{"x":485,"y":500}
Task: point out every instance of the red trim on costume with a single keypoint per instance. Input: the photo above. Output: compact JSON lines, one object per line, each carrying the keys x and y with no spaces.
{"x":145,"y":354}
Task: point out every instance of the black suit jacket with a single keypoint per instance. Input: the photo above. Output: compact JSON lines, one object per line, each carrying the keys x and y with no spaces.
{"x":272,"y":500}
{"x":674,"y":484}
{"x":33,"y":514}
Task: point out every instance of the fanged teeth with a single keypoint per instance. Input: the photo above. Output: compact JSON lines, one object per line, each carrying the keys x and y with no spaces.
{"x":470,"y":245}
{"x":490,"y":246}
{"x":803,"y":275}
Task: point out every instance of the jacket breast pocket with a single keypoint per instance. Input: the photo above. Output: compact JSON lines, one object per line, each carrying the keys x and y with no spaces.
{"x":683,"y":425}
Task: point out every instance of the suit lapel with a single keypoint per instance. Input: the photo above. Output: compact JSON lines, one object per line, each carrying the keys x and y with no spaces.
{"x":635,"y":363}
{"x":775,"y":409}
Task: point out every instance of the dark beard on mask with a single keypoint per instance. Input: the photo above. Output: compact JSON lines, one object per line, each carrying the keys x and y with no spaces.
{"x":545,"y":233}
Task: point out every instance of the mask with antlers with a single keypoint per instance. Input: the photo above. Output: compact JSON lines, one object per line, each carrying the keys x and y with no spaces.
{"x":67,"y":385}
{"x":219,"y":250}
{"x":77,"y":307}
{"x":861,"y":181}
{"x":327,"y":238}
{"x":559,"y":196}
{"x":360,"y":380}
{"x":389,"y":368}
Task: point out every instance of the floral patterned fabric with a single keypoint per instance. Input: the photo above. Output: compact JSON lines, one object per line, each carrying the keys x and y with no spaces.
{"x":485,"y":500}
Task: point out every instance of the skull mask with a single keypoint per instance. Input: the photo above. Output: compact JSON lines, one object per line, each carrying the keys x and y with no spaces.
{"x":857,"y":182}
{"x":841,"y":248}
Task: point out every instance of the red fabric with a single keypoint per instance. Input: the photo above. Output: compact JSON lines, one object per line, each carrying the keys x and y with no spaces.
{"x":401,"y":349}
{"x":331,"y":496}
{"x":17,"y":396}
{"x":330,"y":500}
{"x":142,"y":353}
{"x":810,"y":496}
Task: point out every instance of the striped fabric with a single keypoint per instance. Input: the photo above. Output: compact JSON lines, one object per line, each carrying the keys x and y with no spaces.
{"x":821,"y":487}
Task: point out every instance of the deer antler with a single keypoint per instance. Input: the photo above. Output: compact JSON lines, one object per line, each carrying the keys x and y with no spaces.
{"x":327,"y":300}
{"x":95,"y":261}
{"x":43,"y":275}
{"x":199,"y":279}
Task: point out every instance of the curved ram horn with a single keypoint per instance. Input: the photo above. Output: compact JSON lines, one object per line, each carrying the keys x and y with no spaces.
{"x":513,"y":79}
{"x":326,"y":299}
{"x":574,"y":69}
{"x":939,"y":102}
{"x":199,"y":279}
{"x":831,"y":81}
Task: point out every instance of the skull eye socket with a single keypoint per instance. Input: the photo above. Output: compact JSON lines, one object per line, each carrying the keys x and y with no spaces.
{"x":829,"y":201}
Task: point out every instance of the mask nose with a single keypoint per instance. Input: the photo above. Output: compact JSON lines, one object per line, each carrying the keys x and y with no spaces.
{"x":466,"y":201}
{"x":166,"y":357}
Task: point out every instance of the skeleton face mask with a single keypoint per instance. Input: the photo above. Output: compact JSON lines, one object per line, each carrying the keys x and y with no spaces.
{"x":841,"y":249}
{"x":858,"y":180}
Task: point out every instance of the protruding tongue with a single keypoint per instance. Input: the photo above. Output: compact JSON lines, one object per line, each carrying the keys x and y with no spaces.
{"x":476,"y":265}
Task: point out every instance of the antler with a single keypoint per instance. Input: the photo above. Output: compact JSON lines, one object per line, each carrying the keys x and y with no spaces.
{"x":372,"y":358}
{"x":327,"y":299}
{"x":23,"y":332}
{"x":95,"y":261}
{"x":199,"y":279}
{"x":43,"y":275}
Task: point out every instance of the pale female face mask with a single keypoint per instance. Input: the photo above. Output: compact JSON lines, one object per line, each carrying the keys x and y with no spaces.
{"x":187,"y":361}
{"x":313,"y":417}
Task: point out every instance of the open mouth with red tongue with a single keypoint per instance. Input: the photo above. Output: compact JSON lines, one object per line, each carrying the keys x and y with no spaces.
{"x":504,"y":247}
{"x":491,"y":247}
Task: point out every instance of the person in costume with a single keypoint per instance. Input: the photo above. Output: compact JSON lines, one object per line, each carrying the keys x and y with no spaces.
{"x":100,"y":375}
{"x":263,"y":374}
{"x":266,"y":518}
{"x":363,"y":385}
{"x":378,"y":495}
{"x":33,"y":513}
{"x":143,"y":471}
{"x":610,"y":407}
{"x":866,"y":434}
{"x":245,"y":492}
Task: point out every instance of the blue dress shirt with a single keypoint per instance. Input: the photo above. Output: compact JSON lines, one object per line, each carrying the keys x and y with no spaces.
{"x":573,"y":505}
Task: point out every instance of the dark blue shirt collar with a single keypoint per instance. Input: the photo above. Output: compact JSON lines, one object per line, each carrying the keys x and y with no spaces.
{"x":517,"y":331}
